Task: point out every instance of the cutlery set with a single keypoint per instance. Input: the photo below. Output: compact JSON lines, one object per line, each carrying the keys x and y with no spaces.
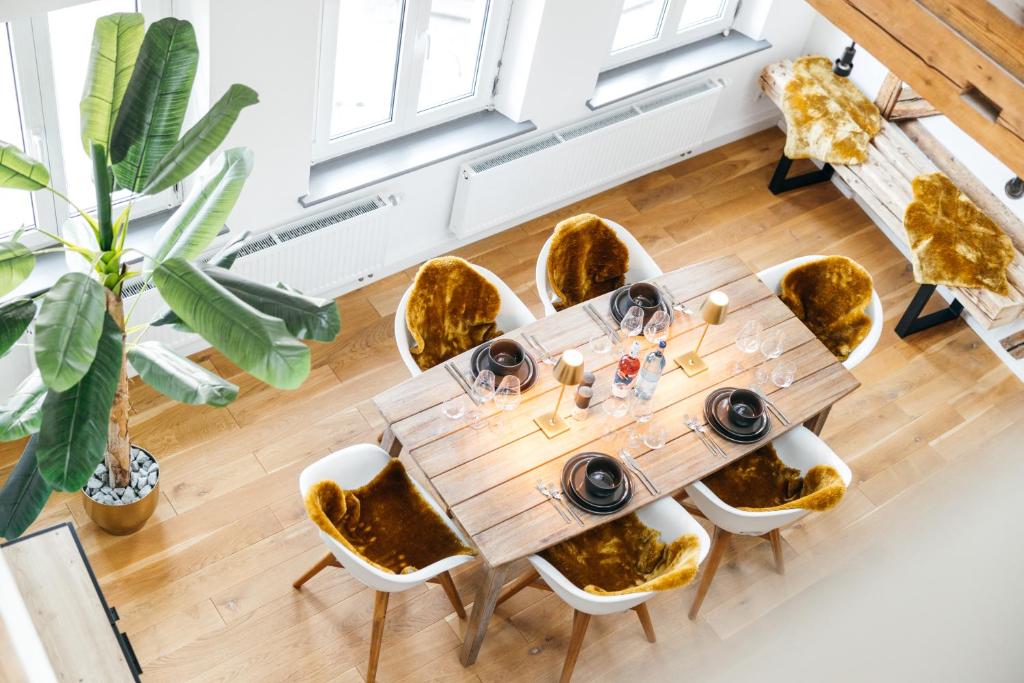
{"x":675,"y":304}
{"x":602,"y":323}
{"x":461,"y":380}
{"x":543,"y":354}
{"x":631,"y":464}
{"x":701,"y":431}
{"x":554,"y":496}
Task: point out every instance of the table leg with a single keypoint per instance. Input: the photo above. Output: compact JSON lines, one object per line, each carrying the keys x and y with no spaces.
{"x":390,"y":442}
{"x":817,"y":423}
{"x":483,"y":608}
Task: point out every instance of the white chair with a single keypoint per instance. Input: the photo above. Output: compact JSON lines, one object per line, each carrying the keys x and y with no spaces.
{"x":351,"y":468}
{"x":772,"y":278}
{"x":664,"y":515}
{"x":513,"y":314}
{"x":641,"y":265}
{"x":799,"y":448}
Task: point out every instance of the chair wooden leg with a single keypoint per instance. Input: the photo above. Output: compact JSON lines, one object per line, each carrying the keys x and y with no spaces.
{"x":645,"y":621}
{"x":776,"y":540}
{"x":380,"y":608}
{"x":519,"y":584}
{"x":580,"y":621}
{"x":452,"y":593}
{"x":327,"y":560}
{"x":719,"y":542}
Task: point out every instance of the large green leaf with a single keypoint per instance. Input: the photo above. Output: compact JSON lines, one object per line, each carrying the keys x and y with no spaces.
{"x":73,"y":436}
{"x":18,"y":171}
{"x":115,"y":45}
{"x":21,"y":415}
{"x":257,"y":343}
{"x":201,"y":139}
{"x":15,"y":317}
{"x":68,"y":327}
{"x":16,"y":264}
{"x":195,"y":224}
{"x":306,"y":317}
{"x":155,"y":101}
{"x":179,"y":378}
{"x":24,"y":494}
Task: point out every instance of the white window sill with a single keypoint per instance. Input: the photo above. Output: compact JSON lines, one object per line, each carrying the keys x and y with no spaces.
{"x":623,"y":82}
{"x":357,"y":170}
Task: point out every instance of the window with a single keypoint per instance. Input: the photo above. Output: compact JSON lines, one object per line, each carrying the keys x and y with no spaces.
{"x":43,"y":60}
{"x":390,"y":67}
{"x":647,"y":27}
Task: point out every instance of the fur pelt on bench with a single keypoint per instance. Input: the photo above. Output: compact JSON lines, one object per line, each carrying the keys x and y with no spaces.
{"x":625,"y":556}
{"x":586,"y":259}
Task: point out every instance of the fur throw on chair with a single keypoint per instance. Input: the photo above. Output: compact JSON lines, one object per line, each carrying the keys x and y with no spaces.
{"x":451,"y":309}
{"x":952,"y":242}
{"x":830,"y":296}
{"x":761,"y":482}
{"x":625,"y":556}
{"x":387,"y":522}
{"x":586,"y":259}
{"x":827,"y":116}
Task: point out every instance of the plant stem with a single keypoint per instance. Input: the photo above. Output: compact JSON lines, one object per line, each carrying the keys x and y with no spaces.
{"x":102,"y":182}
{"x":118,"y":456}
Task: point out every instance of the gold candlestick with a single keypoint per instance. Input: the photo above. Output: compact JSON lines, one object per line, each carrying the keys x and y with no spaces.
{"x":713,"y":311}
{"x":568,"y":370}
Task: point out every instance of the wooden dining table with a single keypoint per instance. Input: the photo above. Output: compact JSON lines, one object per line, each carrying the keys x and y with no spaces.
{"x":486,"y":478}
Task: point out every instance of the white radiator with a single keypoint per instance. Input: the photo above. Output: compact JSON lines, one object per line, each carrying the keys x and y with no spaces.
{"x":320,"y":256}
{"x":567,"y":163}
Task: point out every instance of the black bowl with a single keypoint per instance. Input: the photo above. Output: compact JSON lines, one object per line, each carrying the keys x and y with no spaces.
{"x":604,"y":476}
{"x":646,"y":296}
{"x":506,"y":357}
{"x":745,"y":407}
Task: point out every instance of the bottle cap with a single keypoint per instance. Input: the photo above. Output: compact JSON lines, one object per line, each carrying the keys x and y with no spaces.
{"x":662,"y":344}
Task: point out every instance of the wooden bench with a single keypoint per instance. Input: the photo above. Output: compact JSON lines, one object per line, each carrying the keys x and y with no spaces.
{"x":883,"y":184}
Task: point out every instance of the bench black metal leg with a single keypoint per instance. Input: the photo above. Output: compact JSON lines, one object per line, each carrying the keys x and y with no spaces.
{"x":912,"y":320}
{"x":780,"y":183}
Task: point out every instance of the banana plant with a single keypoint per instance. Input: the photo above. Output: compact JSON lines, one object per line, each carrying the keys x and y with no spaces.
{"x":74,"y":408}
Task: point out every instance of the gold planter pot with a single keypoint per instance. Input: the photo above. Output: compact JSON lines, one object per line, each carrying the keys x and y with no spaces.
{"x":121,"y":520}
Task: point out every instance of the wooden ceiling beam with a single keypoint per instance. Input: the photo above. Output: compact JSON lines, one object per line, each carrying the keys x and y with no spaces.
{"x":987,"y":28}
{"x":977,"y":94}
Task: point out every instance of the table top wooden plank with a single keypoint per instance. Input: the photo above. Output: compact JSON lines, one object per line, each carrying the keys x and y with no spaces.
{"x":486,"y":477}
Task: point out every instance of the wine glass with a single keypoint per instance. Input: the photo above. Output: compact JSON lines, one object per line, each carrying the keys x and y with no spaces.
{"x":748,"y":341}
{"x":483,"y":389}
{"x":600,"y":343}
{"x":633,"y":322}
{"x":507,"y":396}
{"x":613,"y":407}
{"x":771,"y":344}
{"x":641,"y":409}
{"x":656,"y":329}
{"x":784,"y":374}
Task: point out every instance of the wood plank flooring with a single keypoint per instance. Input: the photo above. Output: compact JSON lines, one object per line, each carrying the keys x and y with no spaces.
{"x":204,"y":590}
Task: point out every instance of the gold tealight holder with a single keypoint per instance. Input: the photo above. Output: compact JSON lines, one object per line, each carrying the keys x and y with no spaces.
{"x":568,"y":371}
{"x":713,"y":311}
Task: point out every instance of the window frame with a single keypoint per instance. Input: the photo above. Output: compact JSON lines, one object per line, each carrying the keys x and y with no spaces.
{"x":412,"y":51}
{"x":668,"y":38}
{"x":37,"y":104}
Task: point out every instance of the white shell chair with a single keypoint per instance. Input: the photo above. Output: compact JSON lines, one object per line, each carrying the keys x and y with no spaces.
{"x":513,"y":314}
{"x":772,"y":278}
{"x":351,"y":468}
{"x":666,"y":516}
{"x":799,"y":448}
{"x":641,"y":265}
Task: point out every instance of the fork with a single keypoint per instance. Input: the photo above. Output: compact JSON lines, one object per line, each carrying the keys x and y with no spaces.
{"x":557,"y":493}
{"x":545,"y":355}
{"x":698,"y":429}
{"x":675,"y":304}
{"x":630,"y":462}
{"x":551,"y":499}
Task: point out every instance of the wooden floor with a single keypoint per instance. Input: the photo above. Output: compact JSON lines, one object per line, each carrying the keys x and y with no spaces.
{"x":204,"y":590}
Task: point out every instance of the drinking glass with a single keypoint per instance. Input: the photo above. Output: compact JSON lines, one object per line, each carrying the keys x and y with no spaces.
{"x":656,"y":329}
{"x":600,"y":343}
{"x":783,"y":374}
{"x":641,"y":409}
{"x":771,"y":344}
{"x":483,"y":389}
{"x":453,"y":408}
{"x":748,"y":341}
{"x":655,"y":435}
{"x":633,"y":322}
{"x":613,"y":407}
{"x":507,"y":397}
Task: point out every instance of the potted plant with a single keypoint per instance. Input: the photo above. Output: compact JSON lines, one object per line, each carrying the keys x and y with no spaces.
{"x":75,"y":405}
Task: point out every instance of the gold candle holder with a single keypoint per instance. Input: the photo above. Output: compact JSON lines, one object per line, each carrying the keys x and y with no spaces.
{"x":568,"y":370}
{"x":713,"y":311}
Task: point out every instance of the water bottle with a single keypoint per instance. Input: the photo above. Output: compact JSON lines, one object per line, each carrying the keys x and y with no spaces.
{"x":650,"y":373}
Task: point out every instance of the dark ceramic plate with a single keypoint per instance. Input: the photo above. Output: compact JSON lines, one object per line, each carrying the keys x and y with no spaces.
{"x":716,"y":412}
{"x":619,"y":304}
{"x":527,"y":373}
{"x":574,"y":486}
